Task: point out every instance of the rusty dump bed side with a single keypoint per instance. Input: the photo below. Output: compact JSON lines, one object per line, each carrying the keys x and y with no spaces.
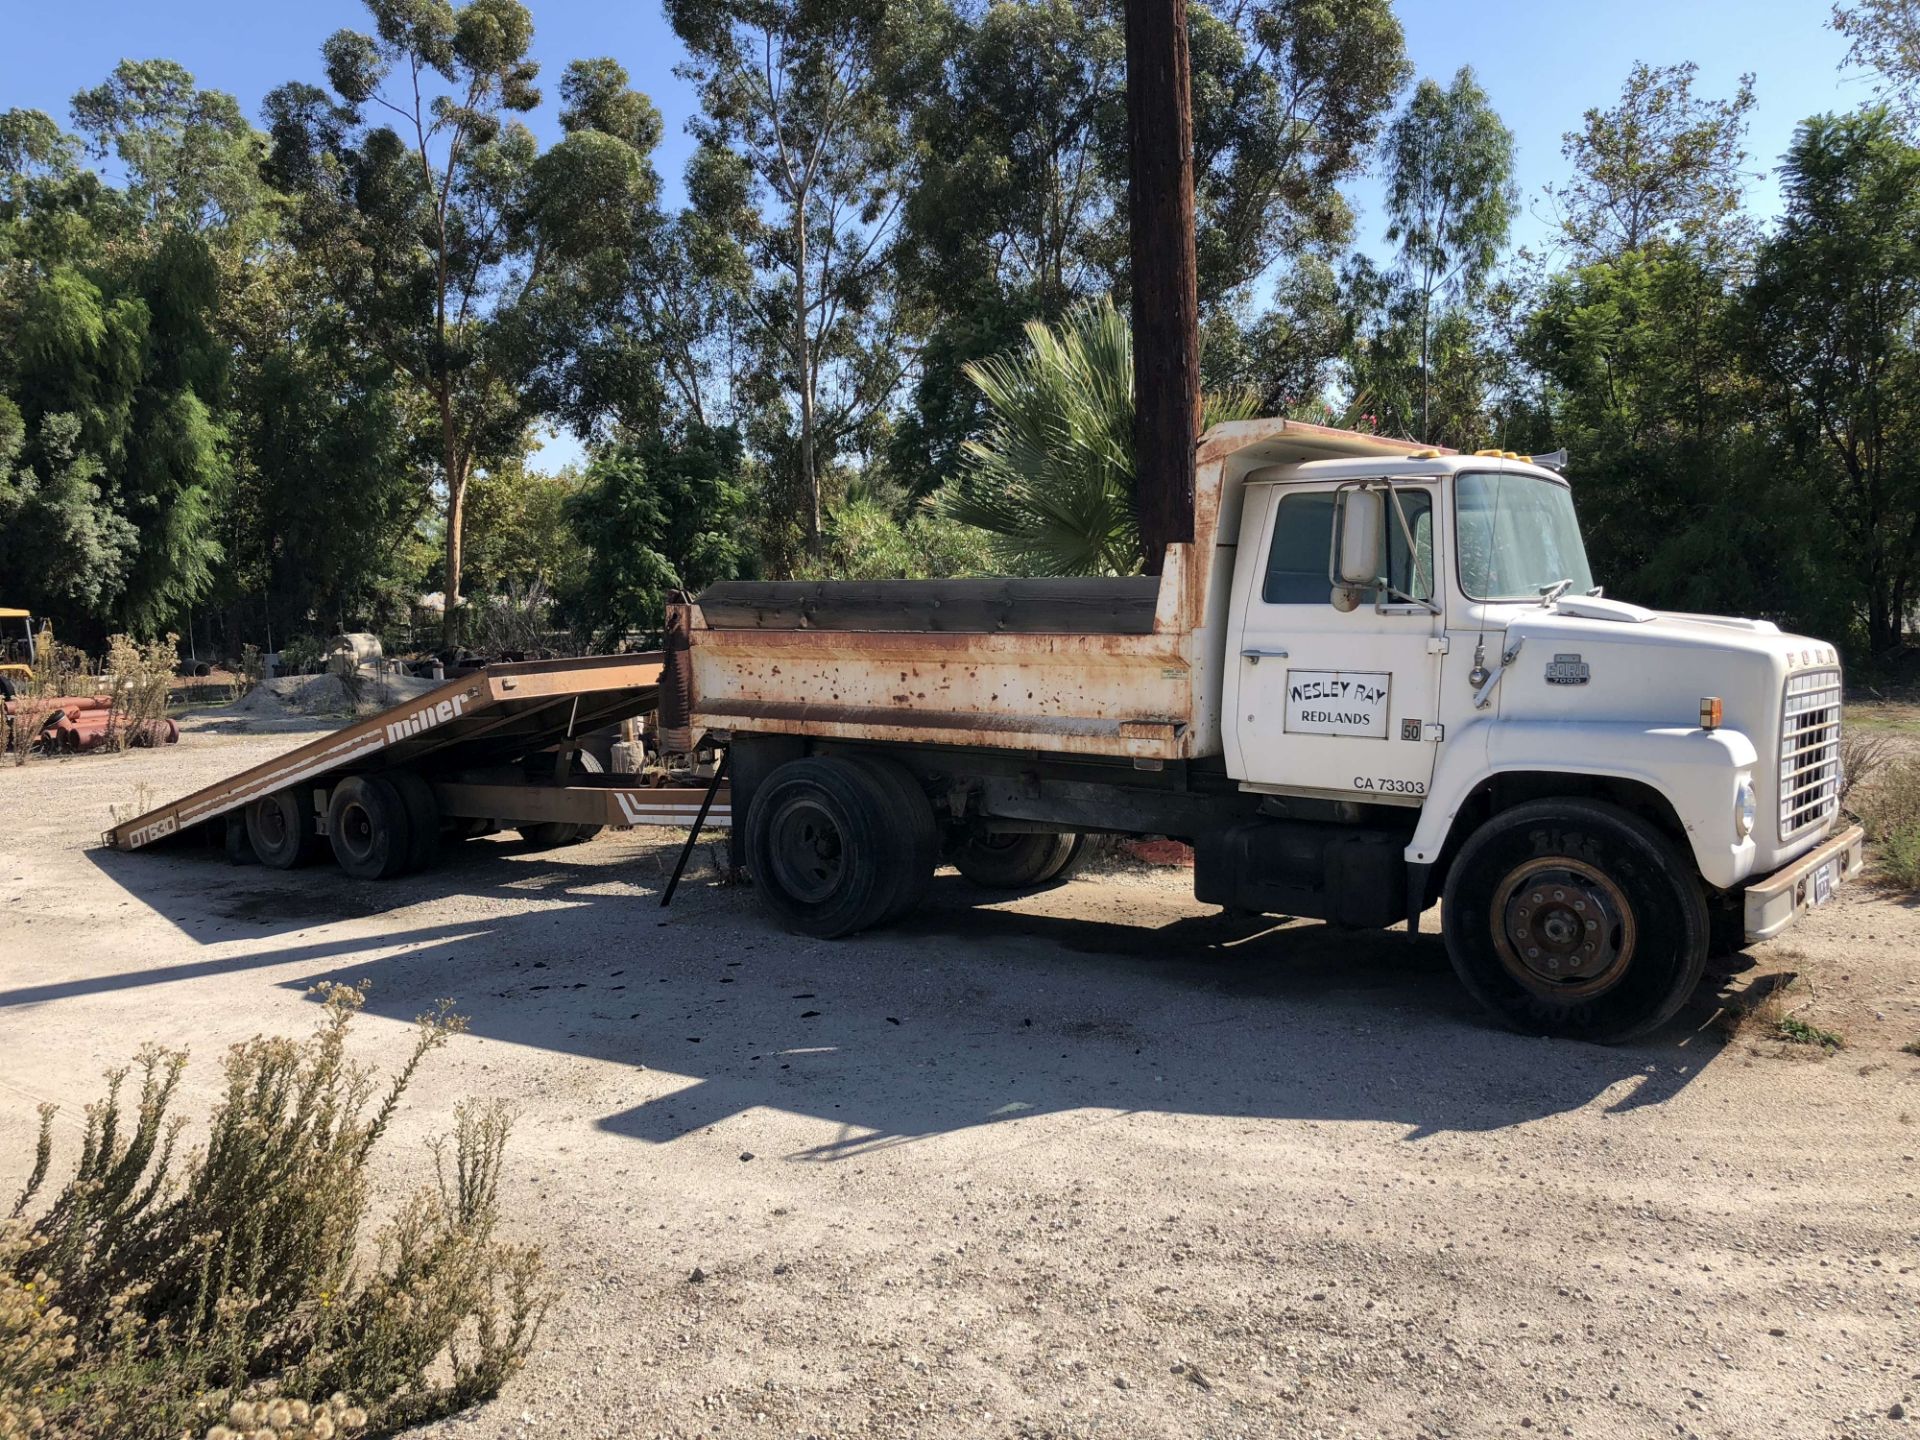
{"x":1123,"y":667}
{"x":487,"y":718}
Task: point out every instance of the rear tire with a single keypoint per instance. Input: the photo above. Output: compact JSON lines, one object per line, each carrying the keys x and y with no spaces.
{"x":911,"y":816}
{"x":552,"y":834}
{"x":825,"y":857}
{"x":423,"y":818}
{"x":1575,"y":918}
{"x":368,"y":829}
{"x":282,"y":829}
{"x":1014,"y":860}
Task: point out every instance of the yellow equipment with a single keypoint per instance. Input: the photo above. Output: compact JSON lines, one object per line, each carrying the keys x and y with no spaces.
{"x":11,"y":649}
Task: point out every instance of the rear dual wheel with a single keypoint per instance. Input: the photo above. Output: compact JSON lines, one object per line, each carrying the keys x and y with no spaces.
{"x":551,"y":834}
{"x":837,"y":844}
{"x":381,"y":826}
{"x":1013,"y":860}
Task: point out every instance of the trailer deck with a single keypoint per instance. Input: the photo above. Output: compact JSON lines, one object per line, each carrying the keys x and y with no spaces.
{"x":469,"y":739}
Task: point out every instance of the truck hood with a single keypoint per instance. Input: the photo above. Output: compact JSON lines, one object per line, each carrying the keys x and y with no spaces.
{"x":1601,"y":660}
{"x":1594,"y":659}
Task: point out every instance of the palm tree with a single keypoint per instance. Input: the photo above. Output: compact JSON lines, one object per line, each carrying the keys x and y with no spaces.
{"x":1051,"y":481}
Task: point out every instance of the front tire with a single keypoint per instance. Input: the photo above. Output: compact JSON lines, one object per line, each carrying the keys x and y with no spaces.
{"x":1575,"y":918}
{"x":824,"y":849}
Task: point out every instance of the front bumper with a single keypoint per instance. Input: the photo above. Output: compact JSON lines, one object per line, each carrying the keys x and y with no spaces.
{"x":1777,"y":901}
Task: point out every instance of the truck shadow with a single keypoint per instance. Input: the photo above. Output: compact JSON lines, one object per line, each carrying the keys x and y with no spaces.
{"x":1090,"y":999}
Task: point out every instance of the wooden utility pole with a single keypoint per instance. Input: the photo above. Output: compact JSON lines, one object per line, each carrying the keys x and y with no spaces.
{"x":1166,"y":302}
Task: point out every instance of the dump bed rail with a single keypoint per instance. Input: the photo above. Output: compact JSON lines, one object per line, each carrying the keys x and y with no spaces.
{"x":487,"y":718}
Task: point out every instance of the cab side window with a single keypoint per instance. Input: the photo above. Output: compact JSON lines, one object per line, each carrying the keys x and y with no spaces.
{"x":1301,"y":555}
{"x":1411,"y":573}
{"x":1302,"y":548}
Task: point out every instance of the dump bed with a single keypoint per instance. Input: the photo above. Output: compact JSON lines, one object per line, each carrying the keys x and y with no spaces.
{"x":1124,"y":667}
{"x":485,"y":719}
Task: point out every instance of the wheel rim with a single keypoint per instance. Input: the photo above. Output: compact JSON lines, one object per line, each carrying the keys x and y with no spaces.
{"x":808,"y":850}
{"x":271,"y":821}
{"x":1562,"y":928}
{"x":356,"y":831}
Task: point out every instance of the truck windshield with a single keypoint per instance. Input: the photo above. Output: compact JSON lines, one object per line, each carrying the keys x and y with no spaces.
{"x":1518,"y":537}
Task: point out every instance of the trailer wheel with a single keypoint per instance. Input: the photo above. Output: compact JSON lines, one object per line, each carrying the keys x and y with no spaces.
{"x":1576,"y":918}
{"x":552,"y":834}
{"x":1014,"y":860}
{"x":423,"y":818}
{"x":825,"y":852}
{"x":912,"y":815}
{"x":281,"y":827}
{"x":368,"y":829}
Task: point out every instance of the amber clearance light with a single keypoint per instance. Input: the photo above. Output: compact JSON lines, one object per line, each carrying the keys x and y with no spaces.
{"x":1709,"y":712}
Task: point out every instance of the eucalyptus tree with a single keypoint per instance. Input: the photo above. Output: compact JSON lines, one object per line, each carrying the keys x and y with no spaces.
{"x":433,"y":216}
{"x":1884,"y":35}
{"x":804,"y":165}
{"x":1021,"y":209}
{"x":1450,"y":199}
{"x":1835,"y":308}
{"x":1662,"y":164}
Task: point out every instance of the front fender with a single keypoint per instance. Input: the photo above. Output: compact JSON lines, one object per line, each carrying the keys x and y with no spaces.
{"x":1698,"y":771}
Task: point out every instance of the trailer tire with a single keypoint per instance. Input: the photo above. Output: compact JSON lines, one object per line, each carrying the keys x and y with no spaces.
{"x":423,"y":818}
{"x":1575,"y":918}
{"x":368,"y":828}
{"x":552,"y":834}
{"x":918,"y":833}
{"x":1018,"y":860}
{"x":282,"y":829}
{"x":824,"y":850}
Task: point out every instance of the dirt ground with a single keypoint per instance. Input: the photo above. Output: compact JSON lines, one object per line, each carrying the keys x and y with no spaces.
{"x":1094,"y":1162}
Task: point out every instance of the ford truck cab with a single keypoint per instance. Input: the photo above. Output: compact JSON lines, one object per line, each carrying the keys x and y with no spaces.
{"x":1429,"y":635}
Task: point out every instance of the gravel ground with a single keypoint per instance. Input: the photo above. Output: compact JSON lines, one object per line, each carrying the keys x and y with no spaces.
{"x":1093,"y":1162}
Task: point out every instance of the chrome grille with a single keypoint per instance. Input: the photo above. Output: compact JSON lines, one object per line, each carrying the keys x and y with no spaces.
{"x":1809,"y":751}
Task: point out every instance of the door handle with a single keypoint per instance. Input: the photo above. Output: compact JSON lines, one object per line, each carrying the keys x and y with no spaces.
{"x":1256,"y":656}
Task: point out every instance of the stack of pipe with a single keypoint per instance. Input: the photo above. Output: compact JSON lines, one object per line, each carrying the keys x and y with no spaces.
{"x":79,"y":723}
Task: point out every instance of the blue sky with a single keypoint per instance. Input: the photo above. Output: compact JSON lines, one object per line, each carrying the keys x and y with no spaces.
{"x":1543,"y":62}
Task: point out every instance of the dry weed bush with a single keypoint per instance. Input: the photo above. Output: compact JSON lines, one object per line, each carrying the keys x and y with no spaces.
{"x":1863,"y":754}
{"x":224,"y":1292}
{"x":1889,"y":808}
{"x":253,"y":668}
{"x":60,"y":669}
{"x":139,"y":677}
{"x":23,"y":727}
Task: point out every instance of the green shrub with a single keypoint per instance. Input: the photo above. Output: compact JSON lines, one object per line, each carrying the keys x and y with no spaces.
{"x":225,"y":1293}
{"x":1900,"y":858}
{"x":1889,"y":808}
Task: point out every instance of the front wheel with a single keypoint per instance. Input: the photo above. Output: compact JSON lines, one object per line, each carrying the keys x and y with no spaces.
{"x":1575,"y":918}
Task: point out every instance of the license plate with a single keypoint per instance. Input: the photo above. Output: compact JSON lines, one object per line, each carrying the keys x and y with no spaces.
{"x":1825,"y":881}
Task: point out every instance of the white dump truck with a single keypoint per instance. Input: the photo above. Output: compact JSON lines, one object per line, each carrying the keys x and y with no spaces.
{"x":1380,"y":677}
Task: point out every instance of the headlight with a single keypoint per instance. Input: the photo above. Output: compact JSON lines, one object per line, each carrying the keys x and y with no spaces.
{"x":1744,"y":809}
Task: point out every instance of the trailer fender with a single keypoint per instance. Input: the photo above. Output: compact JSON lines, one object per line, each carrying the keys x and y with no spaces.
{"x":1697,"y":771}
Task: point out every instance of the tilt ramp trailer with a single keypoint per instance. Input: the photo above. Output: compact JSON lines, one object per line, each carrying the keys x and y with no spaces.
{"x":497,"y":748}
{"x":1380,"y":675}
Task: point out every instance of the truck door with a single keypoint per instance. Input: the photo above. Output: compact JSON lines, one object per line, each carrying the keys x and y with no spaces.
{"x":1340,"y":701}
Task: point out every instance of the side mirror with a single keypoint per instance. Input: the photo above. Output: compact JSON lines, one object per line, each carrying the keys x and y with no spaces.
{"x":1357,"y":559}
